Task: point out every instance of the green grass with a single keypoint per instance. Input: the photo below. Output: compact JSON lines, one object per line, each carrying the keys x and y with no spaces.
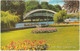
{"x":66,"y":38}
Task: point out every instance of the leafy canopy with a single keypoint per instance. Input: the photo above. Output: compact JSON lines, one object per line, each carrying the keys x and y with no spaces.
{"x":8,"y":20}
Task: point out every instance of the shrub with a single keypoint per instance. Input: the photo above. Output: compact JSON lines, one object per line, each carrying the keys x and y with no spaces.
{"x":69,"y":16}
{"x":26,"y":45}
{"x":78,"y":15}
{"x":8,"y":20}
{"x":44,"y":30}
{"x":60,"y":16}
{"x":57,"y":17}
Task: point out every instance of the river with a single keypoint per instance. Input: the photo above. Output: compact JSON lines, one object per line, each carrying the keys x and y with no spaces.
{"x":19,"y":25}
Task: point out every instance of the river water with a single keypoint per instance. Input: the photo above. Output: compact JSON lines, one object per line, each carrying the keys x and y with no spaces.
{"x":19,"y":25}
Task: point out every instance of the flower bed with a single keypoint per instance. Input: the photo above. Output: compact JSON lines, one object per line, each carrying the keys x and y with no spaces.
{"x":75,"y":22}
{"x":26,"y":45}
{"x":44,"y":30}
{"x":70,"y":23}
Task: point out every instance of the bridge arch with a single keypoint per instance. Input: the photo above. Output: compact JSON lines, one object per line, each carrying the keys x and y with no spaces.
{"x":38,"y":10}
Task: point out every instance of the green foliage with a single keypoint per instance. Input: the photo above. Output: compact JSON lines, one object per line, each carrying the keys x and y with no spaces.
{"x":60,"y":16}
{"x":51,"y":7}
{"x":78,"y":15}
{"x":14,"y":6}
{"x":57,"y":17}
{"x":57,"y":8}
{"x":3,"y":5}
{"x":63,"y":13}
{"x":31,"y":5}
{"x":44,"y":5}
{"x":8,"y":20}
{"x":69,"y":16}
{"x":22,"y":7}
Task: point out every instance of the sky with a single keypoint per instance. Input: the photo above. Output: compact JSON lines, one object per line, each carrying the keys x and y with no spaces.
{"x":53,"y":2}
{"x":61,"y":3}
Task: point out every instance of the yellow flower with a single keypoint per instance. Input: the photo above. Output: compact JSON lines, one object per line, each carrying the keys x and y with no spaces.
{"x":33,"y":48}
{"x":25,"y":43}
{"x":22,"y":45}
{"x":3,"y":48}
{"x":19,"y":47}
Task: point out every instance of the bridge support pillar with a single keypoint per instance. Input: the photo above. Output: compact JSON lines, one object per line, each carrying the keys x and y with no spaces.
{"x":43,"y":19}
{"x":39,"y":19}
{"x":47,"y":19}
{"x":50,"y":19}
{"x":35,"y":19}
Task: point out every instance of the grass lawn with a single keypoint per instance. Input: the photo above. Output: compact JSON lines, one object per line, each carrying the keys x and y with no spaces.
{"x":66,"y":38}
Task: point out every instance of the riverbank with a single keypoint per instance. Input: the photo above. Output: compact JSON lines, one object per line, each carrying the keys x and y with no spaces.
{"x":35,"y":26}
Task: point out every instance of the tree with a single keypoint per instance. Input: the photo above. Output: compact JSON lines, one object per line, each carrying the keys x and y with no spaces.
{"x":44,"y":5}
{"x":14,"y":6}
{"x":3,"y":5}
{"x":78,"y":15}
{"x":71,"y":6}
{"x":57,"y":8}
{"x":60,"y":16}
{"x":31,"y":5}
{"x":51,"y":7}
{"x":57,"y":17}
{"x":70,"y":16}
{"x":8,"y":20}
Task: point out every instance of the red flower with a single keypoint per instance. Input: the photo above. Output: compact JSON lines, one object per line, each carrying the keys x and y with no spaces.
{"x":29,"y":41}
{"x":32,"y":45}
{"x":9,"y":47}
{"x":24,"y":47}
{"x":40,"y":42}
{"x":14,"y":46}
{"x":26,"y":41}
{"x":45,"y":41}
{"x":15,"y":42}
{"x":37,"y":43}
{"x":35,"y":40}
{"x":18,"y":41}
{"x":12,"y":43}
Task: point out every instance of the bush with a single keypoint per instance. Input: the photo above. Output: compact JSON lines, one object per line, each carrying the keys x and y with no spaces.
{"x":8,"y":20}
{"x":78,"y":15}
{"x":60,"y":16}
{"x":70,"y":16}
{"x":44,"y":30}
{"x":26,"y":45}
{"x":57,"y":17}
